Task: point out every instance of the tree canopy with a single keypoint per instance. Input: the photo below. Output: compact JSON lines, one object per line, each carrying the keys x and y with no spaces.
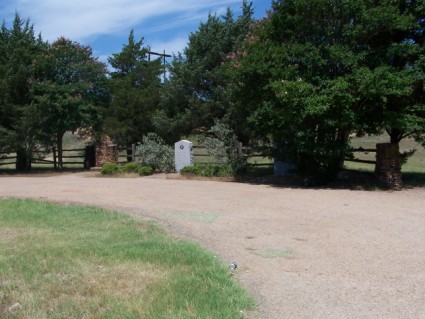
{"x":69,"y":90}
{"x":19,"y":47}
{"x":196,"y":93}
{"x":135,"y":91}
{"x":301,"y":80}
{"x":314,"y":71}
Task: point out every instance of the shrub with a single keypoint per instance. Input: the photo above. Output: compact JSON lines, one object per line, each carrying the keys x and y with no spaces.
{"x":145,"y":170}
{"x":223,"y":147}
{"x":191,"y":170}
{"x":225,"y":171}
{"x":156,"y":153}
{"x":210,"y":170}
{"x":110,"y":169}
{"x":131,"y":167}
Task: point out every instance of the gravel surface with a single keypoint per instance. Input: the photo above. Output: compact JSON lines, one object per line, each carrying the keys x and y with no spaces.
{"x":302,"y":253}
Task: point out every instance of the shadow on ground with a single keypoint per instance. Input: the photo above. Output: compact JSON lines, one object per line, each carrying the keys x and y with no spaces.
{"x":349,"y":179}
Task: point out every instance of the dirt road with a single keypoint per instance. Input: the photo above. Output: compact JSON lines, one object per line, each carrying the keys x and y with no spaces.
{"x":302,"y":253}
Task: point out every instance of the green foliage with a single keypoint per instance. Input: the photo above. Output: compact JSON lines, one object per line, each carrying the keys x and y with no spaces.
{"x":110,"y":169}
{"x":192,"y":170}
{"x":46,"y":90}
{"x":196,"y":93}
{"x":135,"y":88}
{"x":208,"y":170}
{"x":145,"y":170}
{"x":313,"y":71}
{"x":69,"y":90}
{"x":223,"y":147}
{"x":19,"y":118}
{"x":127,"y":168}
{"x":156,"y":153}
{"x":130,"y":167}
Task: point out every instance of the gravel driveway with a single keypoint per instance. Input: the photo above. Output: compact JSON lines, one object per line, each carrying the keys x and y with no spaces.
{"x":302,"y":253}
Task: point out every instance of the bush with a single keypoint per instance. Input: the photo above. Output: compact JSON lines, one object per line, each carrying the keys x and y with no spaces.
{"x":191,"y":170}
{"x":110,"y":169}
{"x":131,"y":167}
{"x":156,"y":153}
{"x":208,"y":171}
{"x":226,"y":171}
{"x":145,"y":170}
{"x":223,"y":147}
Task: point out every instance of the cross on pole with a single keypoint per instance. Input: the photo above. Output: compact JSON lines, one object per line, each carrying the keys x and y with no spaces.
{"x":163,"y":55}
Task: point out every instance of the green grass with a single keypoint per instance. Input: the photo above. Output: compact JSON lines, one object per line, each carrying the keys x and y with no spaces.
{"x":66,"y":261}
{"x":413,"y":171}
{"x":415,"y":164}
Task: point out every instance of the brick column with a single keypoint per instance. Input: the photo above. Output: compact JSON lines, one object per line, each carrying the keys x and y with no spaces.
{"x":388,"y":165}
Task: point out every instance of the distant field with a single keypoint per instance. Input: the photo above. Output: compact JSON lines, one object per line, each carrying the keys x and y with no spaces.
{"x":415,"y":164}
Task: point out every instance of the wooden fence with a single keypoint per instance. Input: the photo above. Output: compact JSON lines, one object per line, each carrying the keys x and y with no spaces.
{"x":75,"y":157}
{"x":250,"y":154}
{"x":365,"y":151}
{"x":84,"y":157}
{"x":127,"y":154}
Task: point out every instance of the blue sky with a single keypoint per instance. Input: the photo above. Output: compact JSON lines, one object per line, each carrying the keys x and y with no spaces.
{"x":106,"y":24}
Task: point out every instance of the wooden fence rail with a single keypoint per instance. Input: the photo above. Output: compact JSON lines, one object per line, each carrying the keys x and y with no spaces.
{"x":246,"y":152}
{"x":364,"y":151}
{"x":50,"y":158}
{"x":201,"y":156}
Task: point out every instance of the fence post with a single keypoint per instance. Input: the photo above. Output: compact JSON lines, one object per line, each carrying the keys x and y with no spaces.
{"x":89,"y":156}
{"x":240,"y":149}
{"x":55,"y":164}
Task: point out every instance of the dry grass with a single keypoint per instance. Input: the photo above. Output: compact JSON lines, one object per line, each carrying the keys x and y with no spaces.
{"x":66,"y":261}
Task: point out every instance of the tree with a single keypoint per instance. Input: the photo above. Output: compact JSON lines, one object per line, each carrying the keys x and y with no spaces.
{"x":304,"y":76}
{"x":19,"y":129}
{"x":392,"y":80}
{"x":69,"y":90}
{"x":135,"y":89}
{"x":196,"y":93}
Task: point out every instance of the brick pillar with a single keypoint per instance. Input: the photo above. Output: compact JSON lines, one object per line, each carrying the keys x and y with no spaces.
{"x":106,"y":152}
{"x":388,"y":165}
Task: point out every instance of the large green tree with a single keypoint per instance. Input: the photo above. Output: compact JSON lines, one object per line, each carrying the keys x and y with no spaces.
{"x":19,"y":125}
{"x":196,"y":93}
{"x":307,"y":75}
{"x":135,"y":90}
{"x":69,"y":90}
{"x":392,"y":37}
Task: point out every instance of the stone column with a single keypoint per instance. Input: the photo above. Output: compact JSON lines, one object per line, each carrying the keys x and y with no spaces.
{"x":106,"y":152}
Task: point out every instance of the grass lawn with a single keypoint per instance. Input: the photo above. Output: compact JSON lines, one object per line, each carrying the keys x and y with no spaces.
{"x":413,"y":171}
{"x":68,"y":261}
{"x":415,"y":163}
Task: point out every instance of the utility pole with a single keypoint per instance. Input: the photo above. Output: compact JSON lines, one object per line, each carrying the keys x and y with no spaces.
{"x":162,"y":55}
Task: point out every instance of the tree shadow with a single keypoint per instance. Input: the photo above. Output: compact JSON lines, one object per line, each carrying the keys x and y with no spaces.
{"x":347,"y":179}
{"x":39,"y":171}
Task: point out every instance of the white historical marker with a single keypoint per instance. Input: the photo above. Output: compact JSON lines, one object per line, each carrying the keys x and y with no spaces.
{"x":184,"y":154}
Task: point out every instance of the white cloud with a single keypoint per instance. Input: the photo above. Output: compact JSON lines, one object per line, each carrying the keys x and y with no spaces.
{"x":83,"y":19}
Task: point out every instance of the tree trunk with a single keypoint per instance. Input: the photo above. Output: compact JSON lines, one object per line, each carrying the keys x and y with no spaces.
{"x":343,"y":139}
{"x":23,"y":161}
{"x":395,"y":136}
{"x":59,"y":138}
